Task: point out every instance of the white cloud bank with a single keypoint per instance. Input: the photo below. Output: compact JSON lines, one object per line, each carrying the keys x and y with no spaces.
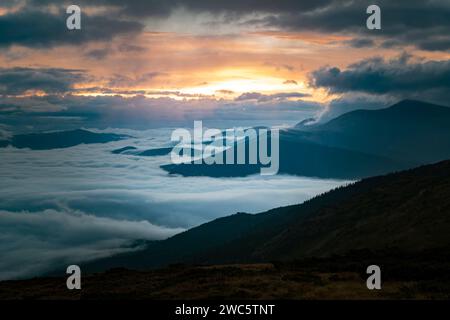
{"x":33,"y":243}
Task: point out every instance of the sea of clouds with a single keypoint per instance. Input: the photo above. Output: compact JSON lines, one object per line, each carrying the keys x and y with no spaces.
{"x":82,"y":203}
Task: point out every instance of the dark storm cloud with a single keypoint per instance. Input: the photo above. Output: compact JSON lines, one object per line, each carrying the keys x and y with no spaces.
{"x":378,"y":76}
{"x":360,"y":43}
{"x":139,"y":8}
{"x":119,"y":80}
{"x":9,"y":3}
{"x":435,"y":44}
{"x":131,"y":48}
{"x":425,"y":24}
{"x":98,"y":54}
{"x":422,"y":23}
{"x":16,"y":81}
{"x":40,"y":29}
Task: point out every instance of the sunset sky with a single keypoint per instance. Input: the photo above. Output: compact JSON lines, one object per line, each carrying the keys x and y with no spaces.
{"x":181,"y":59}
{"x":140,"y":69}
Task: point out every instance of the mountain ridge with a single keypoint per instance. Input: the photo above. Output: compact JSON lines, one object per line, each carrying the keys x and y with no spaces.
{"x":355,"y":145}
{"x":409,"y":130}
{"x":59,"y":139}
{"x":408,"y":210}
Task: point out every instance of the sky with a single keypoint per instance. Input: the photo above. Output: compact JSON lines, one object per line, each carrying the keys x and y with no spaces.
{"x":144,"y":62}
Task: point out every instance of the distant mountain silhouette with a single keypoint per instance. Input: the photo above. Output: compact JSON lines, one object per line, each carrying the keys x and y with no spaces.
{"x":143,"y":153}
{"x":60,"y":139}
{"x":300,"y":157}
{"x":410,"y":131}
{"x":155,"y":152}
{"x":409,"y":211}
{"x":358,"y":144}
{"x":124,"y":150}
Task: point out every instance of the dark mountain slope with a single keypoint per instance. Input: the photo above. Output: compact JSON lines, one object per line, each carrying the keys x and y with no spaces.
{"x":357,"y":144}
{"x":299,"y":156}
{"x":409,"y":210}
{"x":130,"y":150}
{"x":124,"y":150}
{"x":61,"y":139}
{"x":196,"y":241}
{"x":410,"y":130}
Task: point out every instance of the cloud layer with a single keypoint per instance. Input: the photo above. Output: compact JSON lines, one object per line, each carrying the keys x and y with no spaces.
{"x":70,"y":112}
{"x":43,"y":29}
{"x":423,"y":24}
{"x":32,"y":243}
{"x":63,"y":205}
{"x":378,"y":76}
{"x":17,"y":81}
